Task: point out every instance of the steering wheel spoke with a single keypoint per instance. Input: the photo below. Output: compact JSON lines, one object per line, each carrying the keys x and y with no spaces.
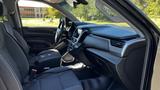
{"x":59,"y":31}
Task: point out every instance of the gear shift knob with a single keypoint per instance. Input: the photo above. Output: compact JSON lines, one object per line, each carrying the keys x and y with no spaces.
{"x":67,"y":58}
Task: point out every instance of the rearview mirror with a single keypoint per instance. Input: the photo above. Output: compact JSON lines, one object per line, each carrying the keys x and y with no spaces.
{"x":74,"y":3}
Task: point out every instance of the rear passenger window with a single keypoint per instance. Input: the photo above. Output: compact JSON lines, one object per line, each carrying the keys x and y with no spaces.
{"x":37,"y":14}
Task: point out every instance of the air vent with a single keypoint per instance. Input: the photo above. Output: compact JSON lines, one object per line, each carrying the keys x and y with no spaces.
{"x":117,"y":43}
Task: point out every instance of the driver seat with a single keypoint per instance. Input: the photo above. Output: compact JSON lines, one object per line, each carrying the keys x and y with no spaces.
{"x":47,"y":58}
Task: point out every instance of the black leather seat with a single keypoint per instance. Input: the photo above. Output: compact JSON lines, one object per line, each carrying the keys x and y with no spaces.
{"x":45,"y":58}
{"x":14,"y":70}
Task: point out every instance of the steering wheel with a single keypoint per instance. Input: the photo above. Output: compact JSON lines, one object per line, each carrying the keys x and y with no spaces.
{"x":59,"y":31}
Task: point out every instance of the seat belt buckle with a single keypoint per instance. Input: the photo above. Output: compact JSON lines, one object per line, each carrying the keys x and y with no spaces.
{"x":33,"y":73}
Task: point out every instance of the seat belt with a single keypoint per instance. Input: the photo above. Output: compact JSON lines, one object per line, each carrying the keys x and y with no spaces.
{"x":15,"y":26}
{"x":13,"y":20}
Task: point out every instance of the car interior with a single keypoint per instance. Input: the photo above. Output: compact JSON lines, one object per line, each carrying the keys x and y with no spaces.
{"x":74,"y":56}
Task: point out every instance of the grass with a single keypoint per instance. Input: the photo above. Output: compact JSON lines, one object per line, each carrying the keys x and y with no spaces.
{"x":34,"y":22}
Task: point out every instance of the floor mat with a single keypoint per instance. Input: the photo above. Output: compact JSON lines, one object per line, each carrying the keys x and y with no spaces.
{"x":99,"y":83}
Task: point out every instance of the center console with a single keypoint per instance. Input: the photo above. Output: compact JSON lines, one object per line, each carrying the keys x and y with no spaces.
{"x":46,"y":60}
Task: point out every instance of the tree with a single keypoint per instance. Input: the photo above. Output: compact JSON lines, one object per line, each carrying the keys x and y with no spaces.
{"x":88,"y":12}
{"x":52,"y":13}
{"x":150,"y":7}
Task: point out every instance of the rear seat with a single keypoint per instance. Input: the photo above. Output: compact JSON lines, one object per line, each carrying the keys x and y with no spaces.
{"x":14,"y":70}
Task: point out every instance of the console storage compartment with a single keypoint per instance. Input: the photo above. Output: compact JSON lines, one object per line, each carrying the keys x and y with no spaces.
{"x":47,"y":60}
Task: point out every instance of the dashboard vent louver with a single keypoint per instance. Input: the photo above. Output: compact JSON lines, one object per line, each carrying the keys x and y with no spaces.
{"x":117,"y":43}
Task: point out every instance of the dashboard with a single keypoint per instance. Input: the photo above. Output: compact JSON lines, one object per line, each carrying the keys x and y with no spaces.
{"x":112,"y":49}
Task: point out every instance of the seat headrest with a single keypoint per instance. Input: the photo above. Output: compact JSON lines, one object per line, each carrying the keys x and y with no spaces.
{"x":1,"y":9}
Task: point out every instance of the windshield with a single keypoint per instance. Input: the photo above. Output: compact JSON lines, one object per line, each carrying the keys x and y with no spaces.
{"x":92,"y":13}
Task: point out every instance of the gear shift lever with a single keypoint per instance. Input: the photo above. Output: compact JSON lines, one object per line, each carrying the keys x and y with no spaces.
{"x":67,"y":58}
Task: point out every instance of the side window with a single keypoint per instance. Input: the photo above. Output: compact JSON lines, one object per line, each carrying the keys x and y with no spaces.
{"x":37,"y":14}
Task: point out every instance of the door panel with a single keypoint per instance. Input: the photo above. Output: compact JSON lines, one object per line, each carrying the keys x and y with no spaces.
{"x":39,"y":38}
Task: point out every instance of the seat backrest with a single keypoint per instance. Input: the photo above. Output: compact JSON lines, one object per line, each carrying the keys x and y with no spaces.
{"x":17,"y":54}
{"x":14,"y":66}
{"x":13,"y":33}
{"x":10,"y":77}
{"x":19,"y":39}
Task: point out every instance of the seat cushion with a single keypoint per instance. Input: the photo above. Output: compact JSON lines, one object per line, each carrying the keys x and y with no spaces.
{"x":63,"y":80}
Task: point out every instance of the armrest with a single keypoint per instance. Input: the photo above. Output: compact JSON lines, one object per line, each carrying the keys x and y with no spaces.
{"x":49,"y":59}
